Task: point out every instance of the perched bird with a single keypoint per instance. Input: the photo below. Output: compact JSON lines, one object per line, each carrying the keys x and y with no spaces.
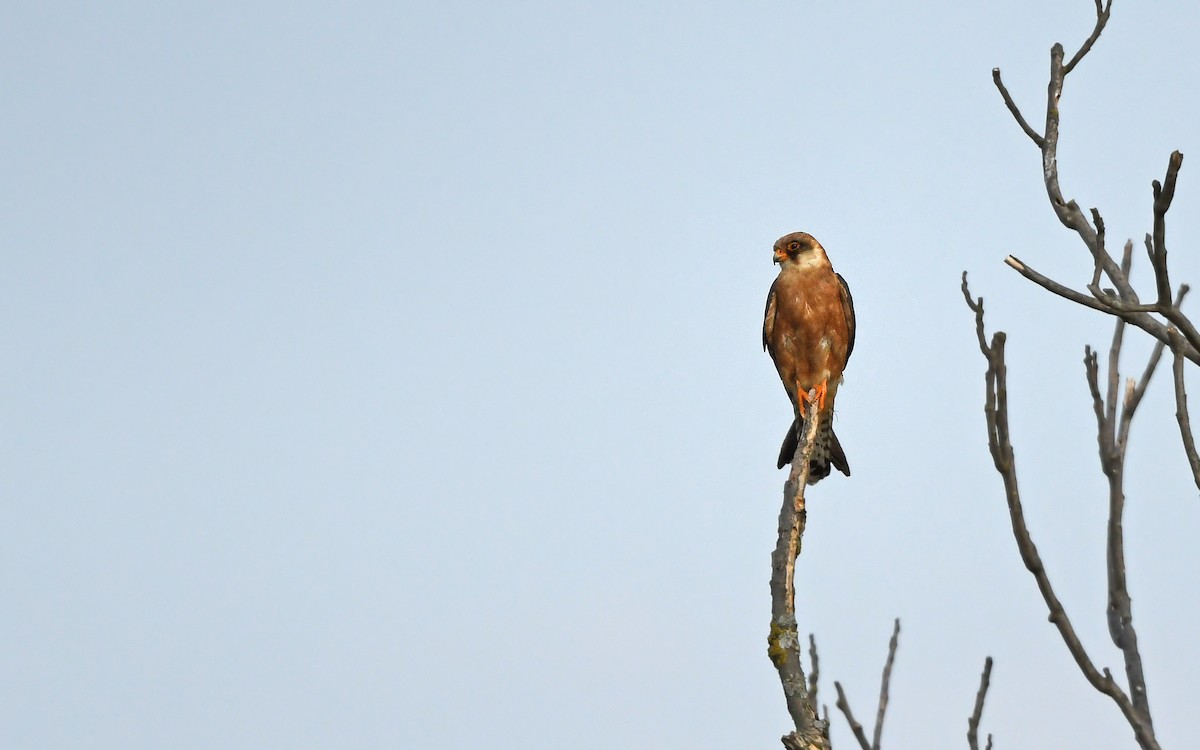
{"x":809,"y":331}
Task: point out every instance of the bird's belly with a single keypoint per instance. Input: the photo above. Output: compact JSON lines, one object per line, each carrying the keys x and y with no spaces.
{"x":815,"y":351}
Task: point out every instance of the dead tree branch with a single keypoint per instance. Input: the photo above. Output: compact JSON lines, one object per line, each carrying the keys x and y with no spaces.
{"x":977,"y":713}
{"x":1137,"y":315}
{"x":884,"y":682}
{"x":884,"y":686}
{"x":1000,"y":445}
{"x":1185,"y":423}
{"x":1112,"y":434}
{"x":1102,"y":15}
{"x":1123,"y":302}
{"x":1114,"y":403}
{"x":814,"y":672}
{"x":855,"y":727}
{"x":783,"y":642}
{"x":1037,"y":138}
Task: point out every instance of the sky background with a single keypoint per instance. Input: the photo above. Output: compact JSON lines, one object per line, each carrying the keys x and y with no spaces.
{"x":386,"y":375}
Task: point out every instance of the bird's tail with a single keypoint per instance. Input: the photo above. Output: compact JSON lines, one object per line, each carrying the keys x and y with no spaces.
{"x":826,"y":453}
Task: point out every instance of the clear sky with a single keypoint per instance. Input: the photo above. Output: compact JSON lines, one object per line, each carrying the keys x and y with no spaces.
{"x":386,"y":375}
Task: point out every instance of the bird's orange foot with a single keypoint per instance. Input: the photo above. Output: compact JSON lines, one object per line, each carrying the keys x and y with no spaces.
{"x":821,"y":389}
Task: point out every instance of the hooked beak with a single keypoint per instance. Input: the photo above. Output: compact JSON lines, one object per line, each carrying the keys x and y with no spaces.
{"x":780,"y":256}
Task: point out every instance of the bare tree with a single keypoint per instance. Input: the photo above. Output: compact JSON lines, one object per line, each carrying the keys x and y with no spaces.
{"x":1114,"y":405}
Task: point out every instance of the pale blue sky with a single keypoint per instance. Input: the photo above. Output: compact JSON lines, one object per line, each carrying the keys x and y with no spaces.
{"x":389,"y":375}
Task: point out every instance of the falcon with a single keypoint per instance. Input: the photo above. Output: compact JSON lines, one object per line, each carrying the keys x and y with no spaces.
{"x":808,"y":330}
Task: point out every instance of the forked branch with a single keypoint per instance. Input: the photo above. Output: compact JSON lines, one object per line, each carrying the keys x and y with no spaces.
{"x":1122,"y":301}
{"x":1000,"y":445}
{"x":1114,"y":415}
{"x":884,"y":686}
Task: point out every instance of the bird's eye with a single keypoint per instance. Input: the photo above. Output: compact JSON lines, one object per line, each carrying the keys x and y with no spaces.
{"x":794,"y":246}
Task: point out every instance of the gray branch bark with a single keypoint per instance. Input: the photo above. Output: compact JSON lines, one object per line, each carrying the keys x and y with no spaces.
{"x":783,"y":642}
{"x":1000,"y":445}
{"x":1123,"y":302}
{"x":884,"y":686}
{"x":1112,"y":435}
{"x":977,"y":713}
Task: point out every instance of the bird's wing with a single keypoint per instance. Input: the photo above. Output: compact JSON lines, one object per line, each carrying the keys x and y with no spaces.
{"x":769,"y":319}
{"x":848,"y":309}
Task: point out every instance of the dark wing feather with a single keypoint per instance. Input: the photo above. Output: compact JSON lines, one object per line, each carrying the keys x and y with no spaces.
{"x":769,"y":319}
{"x":848,"y":308}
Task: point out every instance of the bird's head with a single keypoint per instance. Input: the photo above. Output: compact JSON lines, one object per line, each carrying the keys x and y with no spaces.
{"x":800,"y":248}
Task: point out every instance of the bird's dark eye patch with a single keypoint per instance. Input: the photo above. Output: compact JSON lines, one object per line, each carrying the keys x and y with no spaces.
{"x":793,"y":246}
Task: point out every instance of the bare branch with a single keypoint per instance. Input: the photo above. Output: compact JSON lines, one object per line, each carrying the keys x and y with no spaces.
{"x":885,"y":681}
{"x":1125,"y":303}
{"x":1156,"y":245}
{"x":1053,"y":286}
{"x":1137,"y":315}
{"x":1163,"y":195}
{"x":815,"y":672}
{"x":1126,"y":256}
{"x":977,"y":713}
{"x":1101,"y":20}
{"x":783,"y":642}
{"x":1092,"y":371}
{"x":855,"y":727}
{"x":1185,"y":423}
{"x":1133,"y":396}
{"x":1000,"y":444}
{"x":1094,"y":287}
{"x":1114,"y":382}
{"x":1068,"y":211}
{"x":1038,"y":140}
{"x":1112,"y":436}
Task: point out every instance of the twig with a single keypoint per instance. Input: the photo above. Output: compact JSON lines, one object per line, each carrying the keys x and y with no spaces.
{"x":1185,"y":423}
{"x":1101,"y":20}
{"x":1068,"y":212}
{"x":1098,"y":267}
{"x":783,"y":643}
{"x":1134,"y":395}
{"x":1156,"y":244}
{"x":1134,"y":314}
{"x":1016,"y":111}
{"x":1051,"y":285}
{"x":1000,"y":444}
{"x":1163,"y":195}
{"x":814,"y":673}
{"x":855,"y":727}
{"x":884,"y":682}
{"x":977,"y":713}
